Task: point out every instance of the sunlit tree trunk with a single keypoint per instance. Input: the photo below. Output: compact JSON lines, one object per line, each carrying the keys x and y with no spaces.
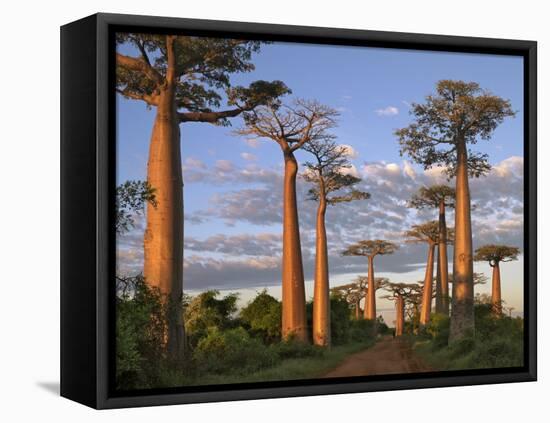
{"x":442,"y":287}
{"x":399,"y":315}
{"x":294,"y":304}
{"x":357,"y":310}
{"x":321,"y":305}
{"x":496,"y":297}
{"x":428,"y":288}
{"x":163,"y":240}
{"x":462,"y":312}
{"x":370,"y":302}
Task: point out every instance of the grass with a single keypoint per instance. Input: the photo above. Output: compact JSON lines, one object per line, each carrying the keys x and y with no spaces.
{"x":293,"y":368}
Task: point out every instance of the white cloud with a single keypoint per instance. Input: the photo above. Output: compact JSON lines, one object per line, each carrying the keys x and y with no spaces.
{"x":349,"y":151}
{"x":387,"y":111}
{"x":249,"y":156}
{"x":252,"y":142}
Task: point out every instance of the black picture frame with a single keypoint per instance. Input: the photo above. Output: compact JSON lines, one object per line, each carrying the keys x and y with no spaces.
{"x":87,"y":192}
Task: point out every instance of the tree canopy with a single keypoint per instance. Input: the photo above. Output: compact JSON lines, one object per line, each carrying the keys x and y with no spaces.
{"x":431,"y":197}
{"x":427,"y":232}
{"x":290,"y":125}
{"x":495,"y":254}
{"x":330,"y":172}
{"x":459,"y":112}
{"x":370,"y":248}
{"x":199,"y":67}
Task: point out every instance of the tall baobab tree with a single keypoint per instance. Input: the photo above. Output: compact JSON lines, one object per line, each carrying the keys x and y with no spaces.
{"x":496,"y":254}
{"x":427,"y":233}
{"x":353,"y":293}
{"x":439,"y":197}
{"x":397,"y":293}
{"x":370,"y":249}
{"x":332,"y":185}
{"x":291,"y":127}
{"x":459,"y":114}
{"x":184,"y":79}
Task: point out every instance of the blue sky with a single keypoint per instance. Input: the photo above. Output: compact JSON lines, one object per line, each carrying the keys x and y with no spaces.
{"x":372,"y":88}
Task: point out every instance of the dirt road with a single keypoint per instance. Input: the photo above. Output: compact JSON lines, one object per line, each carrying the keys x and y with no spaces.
{"x":389,"y":355}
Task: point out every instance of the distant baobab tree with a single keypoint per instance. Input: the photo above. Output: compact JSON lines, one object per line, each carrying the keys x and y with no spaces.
{"x":332,"y":185}
{"x":460,"y":113}
{"x":397,"y":293}
{"x":439,"y":197}
{"x":413,"y":300}
{"x":370,"y":249}
{"x":428,"y":233}
{"x":291,"y":127}
{"x":184,"y":79}
{"x":494,"y":255}
{"x":353,"y":293}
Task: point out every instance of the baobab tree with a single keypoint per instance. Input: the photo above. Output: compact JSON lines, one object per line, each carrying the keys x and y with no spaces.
{"x":397,"y":293}
{"x":332,"y":185}
{"x":184,"y":79}
{"x":459,"y":114}
{"x":291,"y":127}
{"x":413,"y":301}
{"x":439,"y":197}
{"x":353,"y":293}
{"x":427,"y":233}
{"x":494,"y":255}
{"x":370,"y":249}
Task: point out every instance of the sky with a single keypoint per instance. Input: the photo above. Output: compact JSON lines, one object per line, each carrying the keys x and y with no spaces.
{"x":233,"y":184}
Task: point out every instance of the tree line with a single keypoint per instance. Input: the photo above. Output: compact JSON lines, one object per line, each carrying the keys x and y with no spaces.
{"x":185,"y":79}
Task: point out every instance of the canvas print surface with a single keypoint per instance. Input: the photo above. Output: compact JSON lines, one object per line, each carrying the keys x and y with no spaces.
{"x":290,"y":211}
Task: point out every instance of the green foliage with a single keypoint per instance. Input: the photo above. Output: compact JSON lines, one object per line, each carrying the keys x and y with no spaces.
{"x":339,"y":320}
{"x":131,"y":198}
{"x":205,"y":311}
{"x":139,"y":333}
{"x":370,"y":248}
{"x":263,"y":316}
{"x":497,"y":342}
{"x":430,"y":197}
{"x":292,"y":348}
{"x":495,"y":254}
{"x":459,"y":113}
{"x":362,"y":330}
{"x":232,"y":351}
{"x":202,"y":70}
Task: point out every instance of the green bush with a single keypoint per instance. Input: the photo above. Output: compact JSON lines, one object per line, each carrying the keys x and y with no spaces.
{"x":262,"y":316}
{"x":496,"y":342}
{"x":292,"y":348}
{"x":362,"y":330}
{"x":339,"y":321}
{"x":206,"y":311}
{"x":232,"y":351}
{"x":140,"y":332}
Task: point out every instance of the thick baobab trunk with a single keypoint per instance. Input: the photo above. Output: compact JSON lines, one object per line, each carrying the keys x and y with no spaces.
{"x":163,"y":241}
{"x":321,"y":302}
{"x":496,"y":297}
{"x":399,"y":315}
{"x":370,"y":300}
{"x":294,"y":304}
{"x":442,"y":289}
{"x":462,"y":312}
{"x":357,"y":310}
{"x":428,"y":288}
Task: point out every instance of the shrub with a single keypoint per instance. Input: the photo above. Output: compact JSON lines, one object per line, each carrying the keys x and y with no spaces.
{"x":339,"y":321}
{"x":205,"y":311}
{"x":292,"y":348}
{"x":140,"y":332}
{"x":263,"y":316}
{"x":362,"y":330}
{"x":232,"y":351}
{"x":438,"y":330}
